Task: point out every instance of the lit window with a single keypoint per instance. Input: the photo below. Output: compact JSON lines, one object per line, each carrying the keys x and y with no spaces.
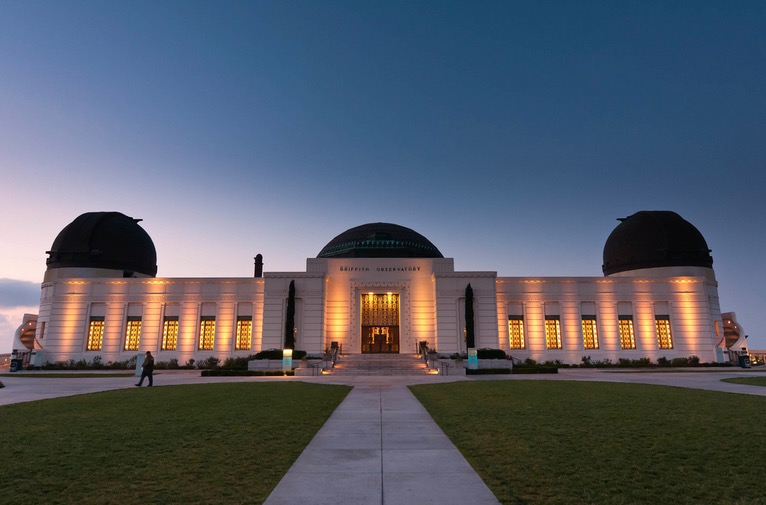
{"x":516,"y":332}
{"x":627,"y":337}
{"x":664,"y":335}
{"x":552,"y":332}
{"x":244,"y":333}
{"x":206,"y":333}
{"x":169,"y":334}
{"x":133,"y":333}
{"x":589,"y":332}
{"x":95,"y":334}
{"x":717,"y":328}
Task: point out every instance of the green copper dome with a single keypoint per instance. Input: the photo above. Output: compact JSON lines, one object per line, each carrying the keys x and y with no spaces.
{"x":380,"y":240}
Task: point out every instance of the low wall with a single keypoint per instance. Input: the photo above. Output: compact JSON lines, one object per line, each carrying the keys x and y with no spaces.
{"x":265,"y":364}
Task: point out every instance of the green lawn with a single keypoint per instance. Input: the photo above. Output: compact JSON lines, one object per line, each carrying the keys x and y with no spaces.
{"x":751,"y":381}
{"x":545,"y":442}
{"x":197,"y":444}
{"x":72,"y":375}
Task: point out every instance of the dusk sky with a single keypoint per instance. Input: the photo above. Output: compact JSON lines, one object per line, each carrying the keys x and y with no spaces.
{"x":512,"y":134}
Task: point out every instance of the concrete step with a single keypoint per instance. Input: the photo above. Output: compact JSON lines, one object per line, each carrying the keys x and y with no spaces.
{"x":380,"y":364}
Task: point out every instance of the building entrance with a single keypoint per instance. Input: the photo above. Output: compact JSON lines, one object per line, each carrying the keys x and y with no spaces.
{"x":380,"y":323}
{"x":380,"y":339}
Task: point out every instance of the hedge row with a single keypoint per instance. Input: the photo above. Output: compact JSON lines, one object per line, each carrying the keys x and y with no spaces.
{"x":244,"y":373}
{"x":500,"y":371}
{"x":277,"y":354}
{"x":487,"y":371}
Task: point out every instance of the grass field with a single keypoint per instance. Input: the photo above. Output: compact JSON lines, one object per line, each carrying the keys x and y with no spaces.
{"x":197,"y":444}
{"x":751,"y":381}
{"x":71,"y":375}
{"x":541,"y":442}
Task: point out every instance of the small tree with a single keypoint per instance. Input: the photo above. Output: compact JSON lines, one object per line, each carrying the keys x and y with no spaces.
{"x":290,"y":319}
{"x":469,"y":333}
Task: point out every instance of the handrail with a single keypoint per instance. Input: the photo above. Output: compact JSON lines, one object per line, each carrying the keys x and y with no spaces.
{"x":316,"y":368}
{"x":432,"y":360}
{"x":442,"y":366}
{"x":331,"y":357}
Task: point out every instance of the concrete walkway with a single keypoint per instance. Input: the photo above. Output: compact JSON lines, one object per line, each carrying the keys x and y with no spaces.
{"x":380,"y":446}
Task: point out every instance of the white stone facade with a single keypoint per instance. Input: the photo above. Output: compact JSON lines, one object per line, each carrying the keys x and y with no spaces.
{"x":431,"y":308}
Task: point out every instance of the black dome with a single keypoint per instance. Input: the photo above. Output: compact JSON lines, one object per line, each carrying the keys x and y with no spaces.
{"x":654,"y":238}
{"x":380,"y":240}
{"x":108,"y":240}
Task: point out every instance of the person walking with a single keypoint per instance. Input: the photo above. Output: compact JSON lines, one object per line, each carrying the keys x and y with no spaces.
{"x":147,"y":369}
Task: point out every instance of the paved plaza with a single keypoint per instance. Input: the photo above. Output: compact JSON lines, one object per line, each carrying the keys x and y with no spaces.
{"x":380,"y":446}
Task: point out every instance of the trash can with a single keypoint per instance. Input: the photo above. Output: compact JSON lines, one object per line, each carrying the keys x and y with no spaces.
{"x":744,"y":361}
{"x":16,"y":365}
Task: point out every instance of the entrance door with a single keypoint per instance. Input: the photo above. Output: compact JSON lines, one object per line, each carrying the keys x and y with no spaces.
{"x":380,"y":322}
{"x":380,"y":339}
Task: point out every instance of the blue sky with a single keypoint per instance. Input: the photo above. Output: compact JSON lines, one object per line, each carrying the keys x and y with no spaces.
{"x":511,"y":134}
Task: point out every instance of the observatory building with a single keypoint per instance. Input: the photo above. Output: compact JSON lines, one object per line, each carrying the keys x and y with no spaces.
{"x":381,"y":288}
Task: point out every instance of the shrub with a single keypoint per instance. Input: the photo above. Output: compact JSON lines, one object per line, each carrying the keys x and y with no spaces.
{"x":690,"y":361}
{"x":95,"y":364}
{"x":269,"y":354}
{"x":635,"y":363}
{"x":276,"y":354}
{"x":234,"y":364}
{"x":527,"y":363}
{"x":663,"y":361}
{"x":208,"y":364}
{"x":122,"y":365}
{"x":169,"y":365}
{"x":246,"y":373}
{"x":490,"y":353}
{"x":117,"y":365}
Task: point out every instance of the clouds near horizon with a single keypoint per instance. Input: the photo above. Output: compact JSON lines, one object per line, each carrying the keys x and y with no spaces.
{"x":16,"y":299}
{"x":16,"y":293}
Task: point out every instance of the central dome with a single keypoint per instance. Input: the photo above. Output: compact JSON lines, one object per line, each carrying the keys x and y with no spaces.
{"x":380,"y":240}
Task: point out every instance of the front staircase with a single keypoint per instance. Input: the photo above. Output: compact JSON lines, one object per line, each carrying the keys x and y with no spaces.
{"x":380,"y":364}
